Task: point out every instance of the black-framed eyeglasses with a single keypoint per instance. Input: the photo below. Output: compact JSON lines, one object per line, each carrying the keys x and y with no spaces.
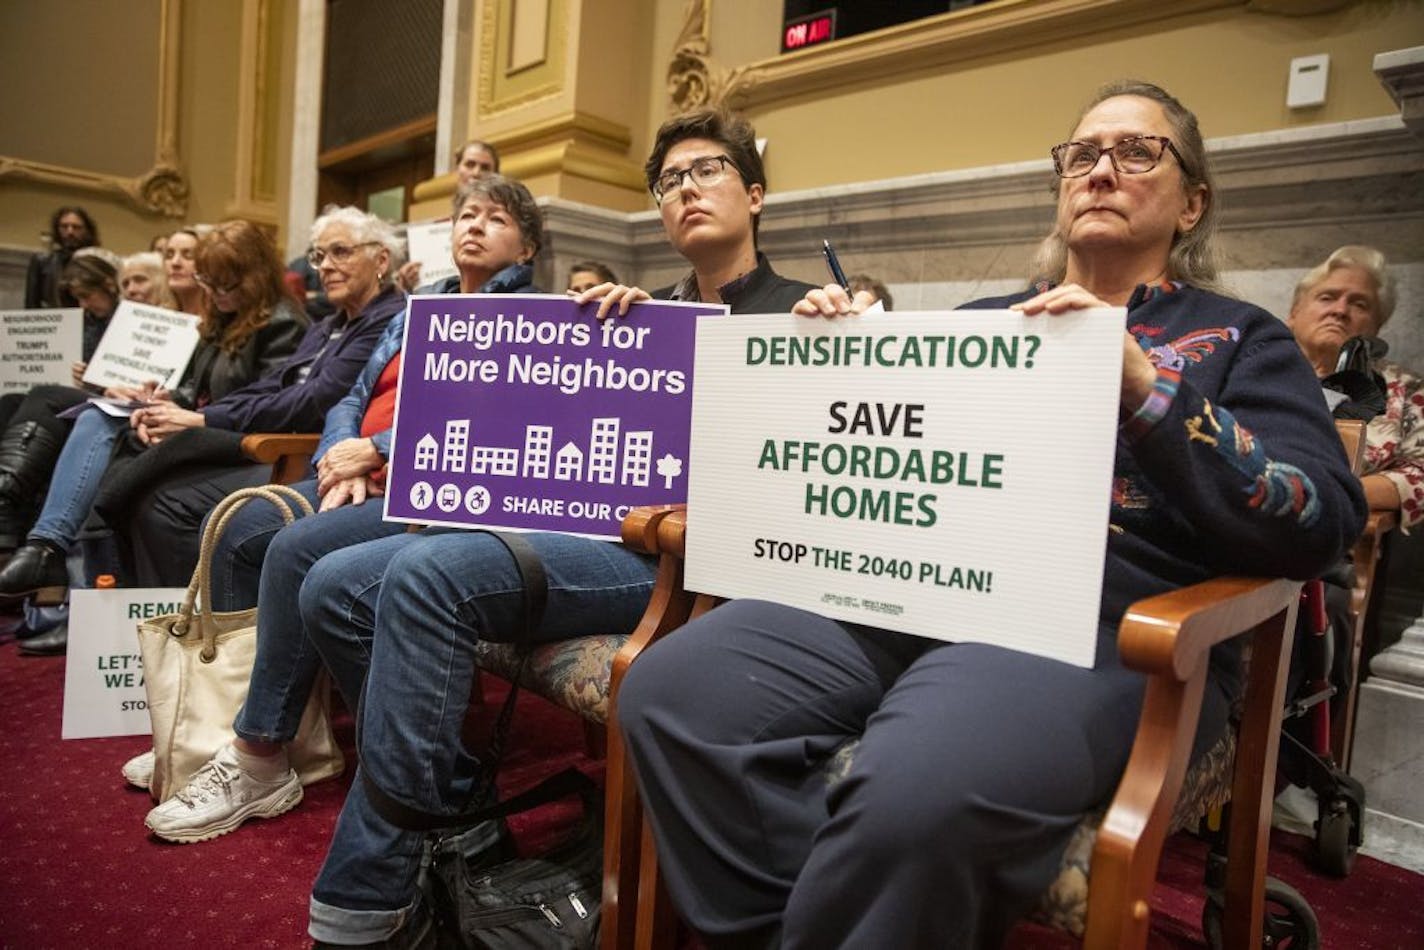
{"x":339,"y":253}
{"x":704,"y":172}
{"x":1130,"y":156}
{"x":213,"y":287}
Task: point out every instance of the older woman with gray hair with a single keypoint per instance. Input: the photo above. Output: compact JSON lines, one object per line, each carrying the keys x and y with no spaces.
{"x":1350,"y":295}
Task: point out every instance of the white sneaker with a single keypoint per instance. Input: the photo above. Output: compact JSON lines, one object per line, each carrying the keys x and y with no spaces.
{"x":138,"y":771}
{"x":219,"y":797}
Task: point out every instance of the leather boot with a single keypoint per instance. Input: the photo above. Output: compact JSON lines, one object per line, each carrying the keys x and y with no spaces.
{"x":28,"y":453}
{"x":37,"y":569}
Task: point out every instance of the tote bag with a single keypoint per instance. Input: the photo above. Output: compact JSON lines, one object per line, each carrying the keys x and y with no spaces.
{"x":196,"y":665}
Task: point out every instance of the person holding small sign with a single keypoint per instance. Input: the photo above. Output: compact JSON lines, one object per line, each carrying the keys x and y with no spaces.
{"x":976,"y":762}
{"x":247,"y":330}
{"x":32,"y":433}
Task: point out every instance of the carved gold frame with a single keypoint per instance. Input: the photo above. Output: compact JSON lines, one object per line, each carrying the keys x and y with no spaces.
{"x":163,"y":189}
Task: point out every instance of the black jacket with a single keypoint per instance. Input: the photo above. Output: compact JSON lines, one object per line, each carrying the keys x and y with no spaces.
{"x":215,"y":372}
{"x":761,"y":291}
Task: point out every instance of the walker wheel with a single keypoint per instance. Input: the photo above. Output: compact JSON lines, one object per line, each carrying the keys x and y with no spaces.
{"x":1334,"y":849}
{"x":1290,"y":924}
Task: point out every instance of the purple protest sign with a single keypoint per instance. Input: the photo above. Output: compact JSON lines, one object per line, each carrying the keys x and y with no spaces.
{"x":522,"y":411}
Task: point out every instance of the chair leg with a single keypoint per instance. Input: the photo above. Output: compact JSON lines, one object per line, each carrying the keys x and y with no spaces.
{"x":657,"y":920}
{"x":595,"y":739}
{"x":1253,"y":788}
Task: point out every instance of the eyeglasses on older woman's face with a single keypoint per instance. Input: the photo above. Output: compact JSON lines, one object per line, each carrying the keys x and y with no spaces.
{"x":1133,"y":155}
{"x":337,"y":252}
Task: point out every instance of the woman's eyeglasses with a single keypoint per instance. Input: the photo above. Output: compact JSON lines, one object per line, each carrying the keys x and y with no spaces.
{"x":212,"y":286}
{"x":1130,"y":156}
{"x":339,"y":253}
{"x":704,"y":172}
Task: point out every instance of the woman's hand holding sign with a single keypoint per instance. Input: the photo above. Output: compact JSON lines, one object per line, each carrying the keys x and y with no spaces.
{"x":1138,"y":373}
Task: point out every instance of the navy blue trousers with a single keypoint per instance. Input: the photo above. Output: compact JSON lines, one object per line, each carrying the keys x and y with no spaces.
{"x":975,"y":766}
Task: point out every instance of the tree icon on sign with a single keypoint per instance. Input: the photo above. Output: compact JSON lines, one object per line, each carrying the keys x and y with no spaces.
{"x":669,"y":467}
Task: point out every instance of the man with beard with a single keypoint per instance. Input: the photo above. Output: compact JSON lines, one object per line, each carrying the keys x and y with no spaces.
{"x":70,"y":228}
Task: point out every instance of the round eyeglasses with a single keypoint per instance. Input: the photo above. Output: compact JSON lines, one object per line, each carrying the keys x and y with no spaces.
{"x":1130,"y":156}
{"x":704,"y":172}
{"x":339,"y":253}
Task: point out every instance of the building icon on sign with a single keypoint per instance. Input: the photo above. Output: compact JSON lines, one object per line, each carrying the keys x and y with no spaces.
{"x":427,"y":453}
{"x":494,"y":459}
{"x":637,"y":457}
{"x":538,"y":443}
{"x":457,"y":440}
{"x":568,"y":464}
{"x":603,"y":451}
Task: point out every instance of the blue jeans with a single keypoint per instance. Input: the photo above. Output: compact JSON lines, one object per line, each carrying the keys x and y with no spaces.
{"x":257,"y":554}
{"x":77,"y":477}
{"x":411,"y":609}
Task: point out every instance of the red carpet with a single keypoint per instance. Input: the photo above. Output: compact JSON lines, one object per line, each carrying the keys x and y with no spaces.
{"x":78,"y":870}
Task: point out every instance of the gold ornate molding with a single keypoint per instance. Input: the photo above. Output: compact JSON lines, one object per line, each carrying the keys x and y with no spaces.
{"x":163,"y":189}
{"x":694,"y":81}
{"x":254,"y":193}
{"x":502,"y":89}
{"x":934,"y":42}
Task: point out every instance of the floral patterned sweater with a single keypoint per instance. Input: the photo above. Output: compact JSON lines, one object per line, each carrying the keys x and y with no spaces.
{"x":1232,"y":465}
{"x":1394,"y":441}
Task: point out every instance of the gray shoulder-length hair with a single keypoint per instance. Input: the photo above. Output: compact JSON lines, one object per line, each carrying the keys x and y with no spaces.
{"x":1360,"y":257}
{"x":365,"y":228}
{"x":1192,"y":258}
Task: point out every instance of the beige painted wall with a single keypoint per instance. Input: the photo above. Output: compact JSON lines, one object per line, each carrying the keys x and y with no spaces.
{"x":207,"y":115}
{"x":1229,"y":65}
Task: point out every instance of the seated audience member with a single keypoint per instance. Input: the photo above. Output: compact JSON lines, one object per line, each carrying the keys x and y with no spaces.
{"x":141,"y":280}
{"x":498,"y":230}
{"x":249,"y":327}
{"x":1351,"y":294}
{"x":587,"y":274}
{"x":977,"y":762}
{"x":32,"y":435}
{"x":180,"y":271}
{"x":70,"y":228}
{"x":873,"y":286}
{"x":474,"y":159}
{"x":30,"y":430}
{"x":708,"y":180}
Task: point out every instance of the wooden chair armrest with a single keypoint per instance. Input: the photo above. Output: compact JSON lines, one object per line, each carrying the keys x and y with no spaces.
{"x":641,"y":525}
{"x":268,"y":447}
{"x":1172,"y":634}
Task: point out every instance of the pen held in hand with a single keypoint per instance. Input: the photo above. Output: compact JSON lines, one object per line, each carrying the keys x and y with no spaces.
{"x":834,"y":264}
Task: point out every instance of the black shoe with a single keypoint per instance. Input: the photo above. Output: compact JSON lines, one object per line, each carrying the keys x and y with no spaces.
{"x":36,"y":570}
{"x":53,"y":643}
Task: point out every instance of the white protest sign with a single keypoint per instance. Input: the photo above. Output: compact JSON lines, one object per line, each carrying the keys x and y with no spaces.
{"x":943,"y":474}
{"x":429,"y":244}
{"x":38,"y":347}
{"x":143,"y":344}
{"x":103,"y":674}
